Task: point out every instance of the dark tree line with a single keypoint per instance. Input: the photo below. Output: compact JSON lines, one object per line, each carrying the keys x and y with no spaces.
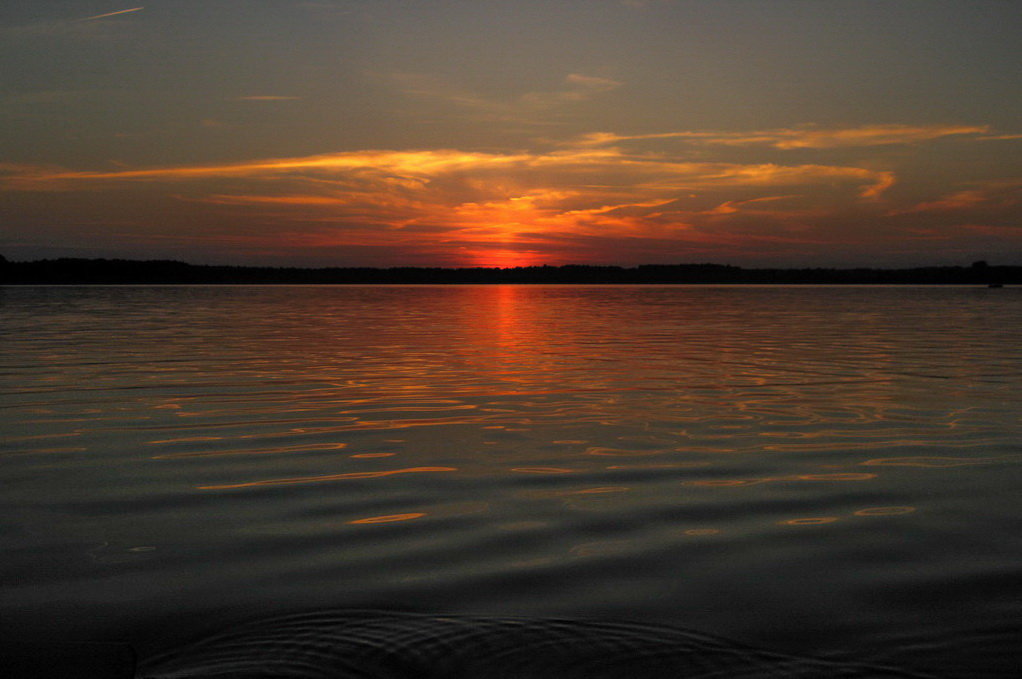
{"x":67,"y":271}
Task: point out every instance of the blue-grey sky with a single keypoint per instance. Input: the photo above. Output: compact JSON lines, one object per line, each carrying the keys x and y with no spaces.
{"x":495,"y":133}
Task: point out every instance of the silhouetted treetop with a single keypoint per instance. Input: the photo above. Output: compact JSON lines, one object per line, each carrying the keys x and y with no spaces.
{"x":72,"y":271}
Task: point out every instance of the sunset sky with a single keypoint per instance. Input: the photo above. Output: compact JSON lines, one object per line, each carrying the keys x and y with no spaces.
{"x":500,"y":133}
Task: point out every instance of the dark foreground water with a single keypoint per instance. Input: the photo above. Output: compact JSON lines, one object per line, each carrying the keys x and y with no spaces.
{"x":520,"y":481}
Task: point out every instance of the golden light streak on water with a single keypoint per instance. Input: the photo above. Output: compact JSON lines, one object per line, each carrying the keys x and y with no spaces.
{"x":390,"y":518}
{"x":329,"y":477}
{"x":543,"y":470}
{"x":300,"y":448}
{"x":938,"y":462}
{"x":885,"y":511}
{"x":809,"y":521}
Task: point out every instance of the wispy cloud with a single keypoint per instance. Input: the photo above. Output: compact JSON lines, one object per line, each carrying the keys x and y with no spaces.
{"x":85,"y":28}
{"x":606,"y":201}
{"x":577,"y":87}
{"x":985,"y":196}
{"x":113,"y":14}
{"x":588,"y":167}
{"x":529,"y":107}
{"x":732,"y":206}
{"x":800,"y":137}
{"x":642,"y":4}
{"x":266,"y":97}
{"x":481,"y":203}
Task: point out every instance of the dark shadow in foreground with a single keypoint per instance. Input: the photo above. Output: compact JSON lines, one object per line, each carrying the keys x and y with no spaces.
{"x":66,"y":660}
{"x":390,"y":645}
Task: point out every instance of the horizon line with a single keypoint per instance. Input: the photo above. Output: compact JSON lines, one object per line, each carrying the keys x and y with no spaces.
{"x":974,"y":264}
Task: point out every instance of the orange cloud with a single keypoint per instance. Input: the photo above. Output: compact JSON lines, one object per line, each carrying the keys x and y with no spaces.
{"x":989,"y":195}
{"x":801,"y":137}
{"x":733,"y":206}
{"x":113,"y":14}
{"x":955,"y":201}
{"x":493,"y":208}
{"x":414,"y":168}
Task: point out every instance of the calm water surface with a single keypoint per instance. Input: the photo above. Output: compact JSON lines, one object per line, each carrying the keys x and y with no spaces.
{"x":822,"y":471}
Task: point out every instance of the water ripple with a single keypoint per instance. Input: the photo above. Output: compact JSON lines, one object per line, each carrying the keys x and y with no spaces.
{"x":838,"y":466}
{"x":329,"y":477}
{"x":390,"y":645}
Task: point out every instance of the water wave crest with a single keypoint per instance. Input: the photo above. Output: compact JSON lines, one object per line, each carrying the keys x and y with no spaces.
{"x":389,"y":645}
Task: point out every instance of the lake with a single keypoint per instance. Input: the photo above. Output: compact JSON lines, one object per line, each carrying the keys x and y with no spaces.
{"x":817,"y":472}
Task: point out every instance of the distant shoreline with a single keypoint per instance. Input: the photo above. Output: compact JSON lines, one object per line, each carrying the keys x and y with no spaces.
{"x":68,"y":271}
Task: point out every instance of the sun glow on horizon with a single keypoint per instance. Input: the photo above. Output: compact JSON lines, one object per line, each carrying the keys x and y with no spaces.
{"x":503,"y":259}
{"x":616,"y":132}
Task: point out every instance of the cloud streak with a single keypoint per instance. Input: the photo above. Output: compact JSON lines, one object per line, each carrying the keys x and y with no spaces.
{"x":113,"y":14}
{"x":600,"y":201}
{"x":531,"y":107}
{"x":482,"y":206}
{"x":631,"y":172}
{"x":265,"y":97}
{"x":984,"y":196}
{"x":800,"y":137}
